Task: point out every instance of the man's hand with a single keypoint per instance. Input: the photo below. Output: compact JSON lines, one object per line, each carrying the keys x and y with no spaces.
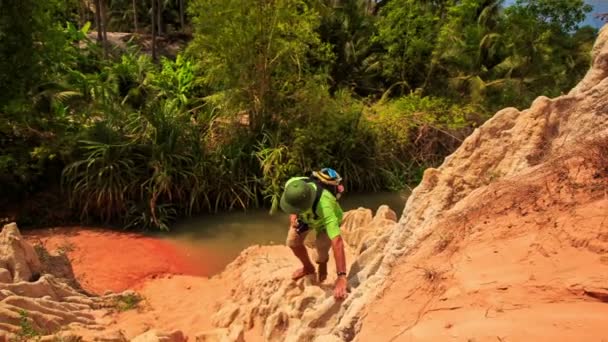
{"x":340,"y":288}
{"x":293,"y":221}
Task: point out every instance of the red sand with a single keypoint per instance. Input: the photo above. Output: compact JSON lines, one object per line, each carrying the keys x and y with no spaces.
{"x":103,"y":260}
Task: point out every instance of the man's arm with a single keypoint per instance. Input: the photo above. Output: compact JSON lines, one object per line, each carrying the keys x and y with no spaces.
{"x":337,"y":244}
{"x":332,"y":226}
{"x":338,"y":247}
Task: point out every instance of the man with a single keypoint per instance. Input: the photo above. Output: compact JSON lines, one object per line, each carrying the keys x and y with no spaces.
{"x":313,"y":206}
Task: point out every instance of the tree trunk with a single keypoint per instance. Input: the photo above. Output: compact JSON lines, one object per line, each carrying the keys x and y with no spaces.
{"x":81,"y":18}
{"x":104,"y":27}
{"x":135,"y":16}
{"x":160,"y":17}
{"x":181,"y":14}
{"x":87,"y":13}
{"x":154,"y":14}
{"x":98,"y":20}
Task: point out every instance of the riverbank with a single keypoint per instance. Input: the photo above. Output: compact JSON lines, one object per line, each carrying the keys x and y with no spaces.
{"x":110,"y":260}
{"x":104,"y":260}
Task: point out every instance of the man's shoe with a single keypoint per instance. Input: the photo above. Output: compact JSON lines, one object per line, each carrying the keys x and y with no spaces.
{"x":301,"y":273}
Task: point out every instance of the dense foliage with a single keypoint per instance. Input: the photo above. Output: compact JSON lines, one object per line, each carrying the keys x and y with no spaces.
{"x":265,"y":90}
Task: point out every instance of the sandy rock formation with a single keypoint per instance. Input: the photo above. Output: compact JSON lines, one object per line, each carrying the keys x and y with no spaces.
{"x":512,"y":143}
{"x":156,"y":336}
{"x":506,"y":145}
{"x":18,"y":260}
{"x":43,"y":302}
{"x":361,"y":229}
{"x":232,"y":334}
{"x":509,"y":144}
{"x":264,"y":296}
{"x":37,"y":305}
{"x":532,"y":247}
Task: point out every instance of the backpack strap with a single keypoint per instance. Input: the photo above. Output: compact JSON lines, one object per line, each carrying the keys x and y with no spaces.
{"x":320,"y":189}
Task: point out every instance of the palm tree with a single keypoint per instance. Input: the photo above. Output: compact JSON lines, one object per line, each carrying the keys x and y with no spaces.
{"x":135,"y":16}
{"x":98,"y":20}
{"x":470,"y":56}
{"x":348,"y":26}
{"x":154,"y":3}
{"x":160,"y":17}
{"x":182,"y":19}
{"x":104,"y":21}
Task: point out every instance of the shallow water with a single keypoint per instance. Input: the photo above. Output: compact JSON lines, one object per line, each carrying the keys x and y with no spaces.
{"x":223,"y":236}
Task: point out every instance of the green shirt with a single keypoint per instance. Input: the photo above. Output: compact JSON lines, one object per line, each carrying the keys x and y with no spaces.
{"x":328,"y":211}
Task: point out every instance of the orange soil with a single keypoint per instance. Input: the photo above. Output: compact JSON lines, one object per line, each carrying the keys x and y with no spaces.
{"x":171,"y":279}
{"x":171,"y":303}
{"x":103,"y":260}
{"x":524,"y":264}
{"x":179,"y":302}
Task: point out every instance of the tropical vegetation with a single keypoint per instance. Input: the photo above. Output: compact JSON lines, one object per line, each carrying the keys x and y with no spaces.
{"x":199,"y":106}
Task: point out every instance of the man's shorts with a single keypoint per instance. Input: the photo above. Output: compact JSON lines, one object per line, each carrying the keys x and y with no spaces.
{"x":321,"y":245}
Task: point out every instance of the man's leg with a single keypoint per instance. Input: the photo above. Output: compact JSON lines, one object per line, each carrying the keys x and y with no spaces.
{"x":322,"y":245}
{"x":295,"y":241}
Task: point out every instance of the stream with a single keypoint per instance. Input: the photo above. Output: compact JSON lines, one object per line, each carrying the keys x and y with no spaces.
{"x":223,"y":236}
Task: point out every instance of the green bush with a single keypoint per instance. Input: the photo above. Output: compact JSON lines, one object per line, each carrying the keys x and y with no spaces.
{"x":415,"y":132}
{"x":384,"y":146}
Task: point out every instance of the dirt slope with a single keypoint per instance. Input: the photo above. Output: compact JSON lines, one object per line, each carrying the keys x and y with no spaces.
{"x":520,"y":209}
{"x":521,"y":263}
